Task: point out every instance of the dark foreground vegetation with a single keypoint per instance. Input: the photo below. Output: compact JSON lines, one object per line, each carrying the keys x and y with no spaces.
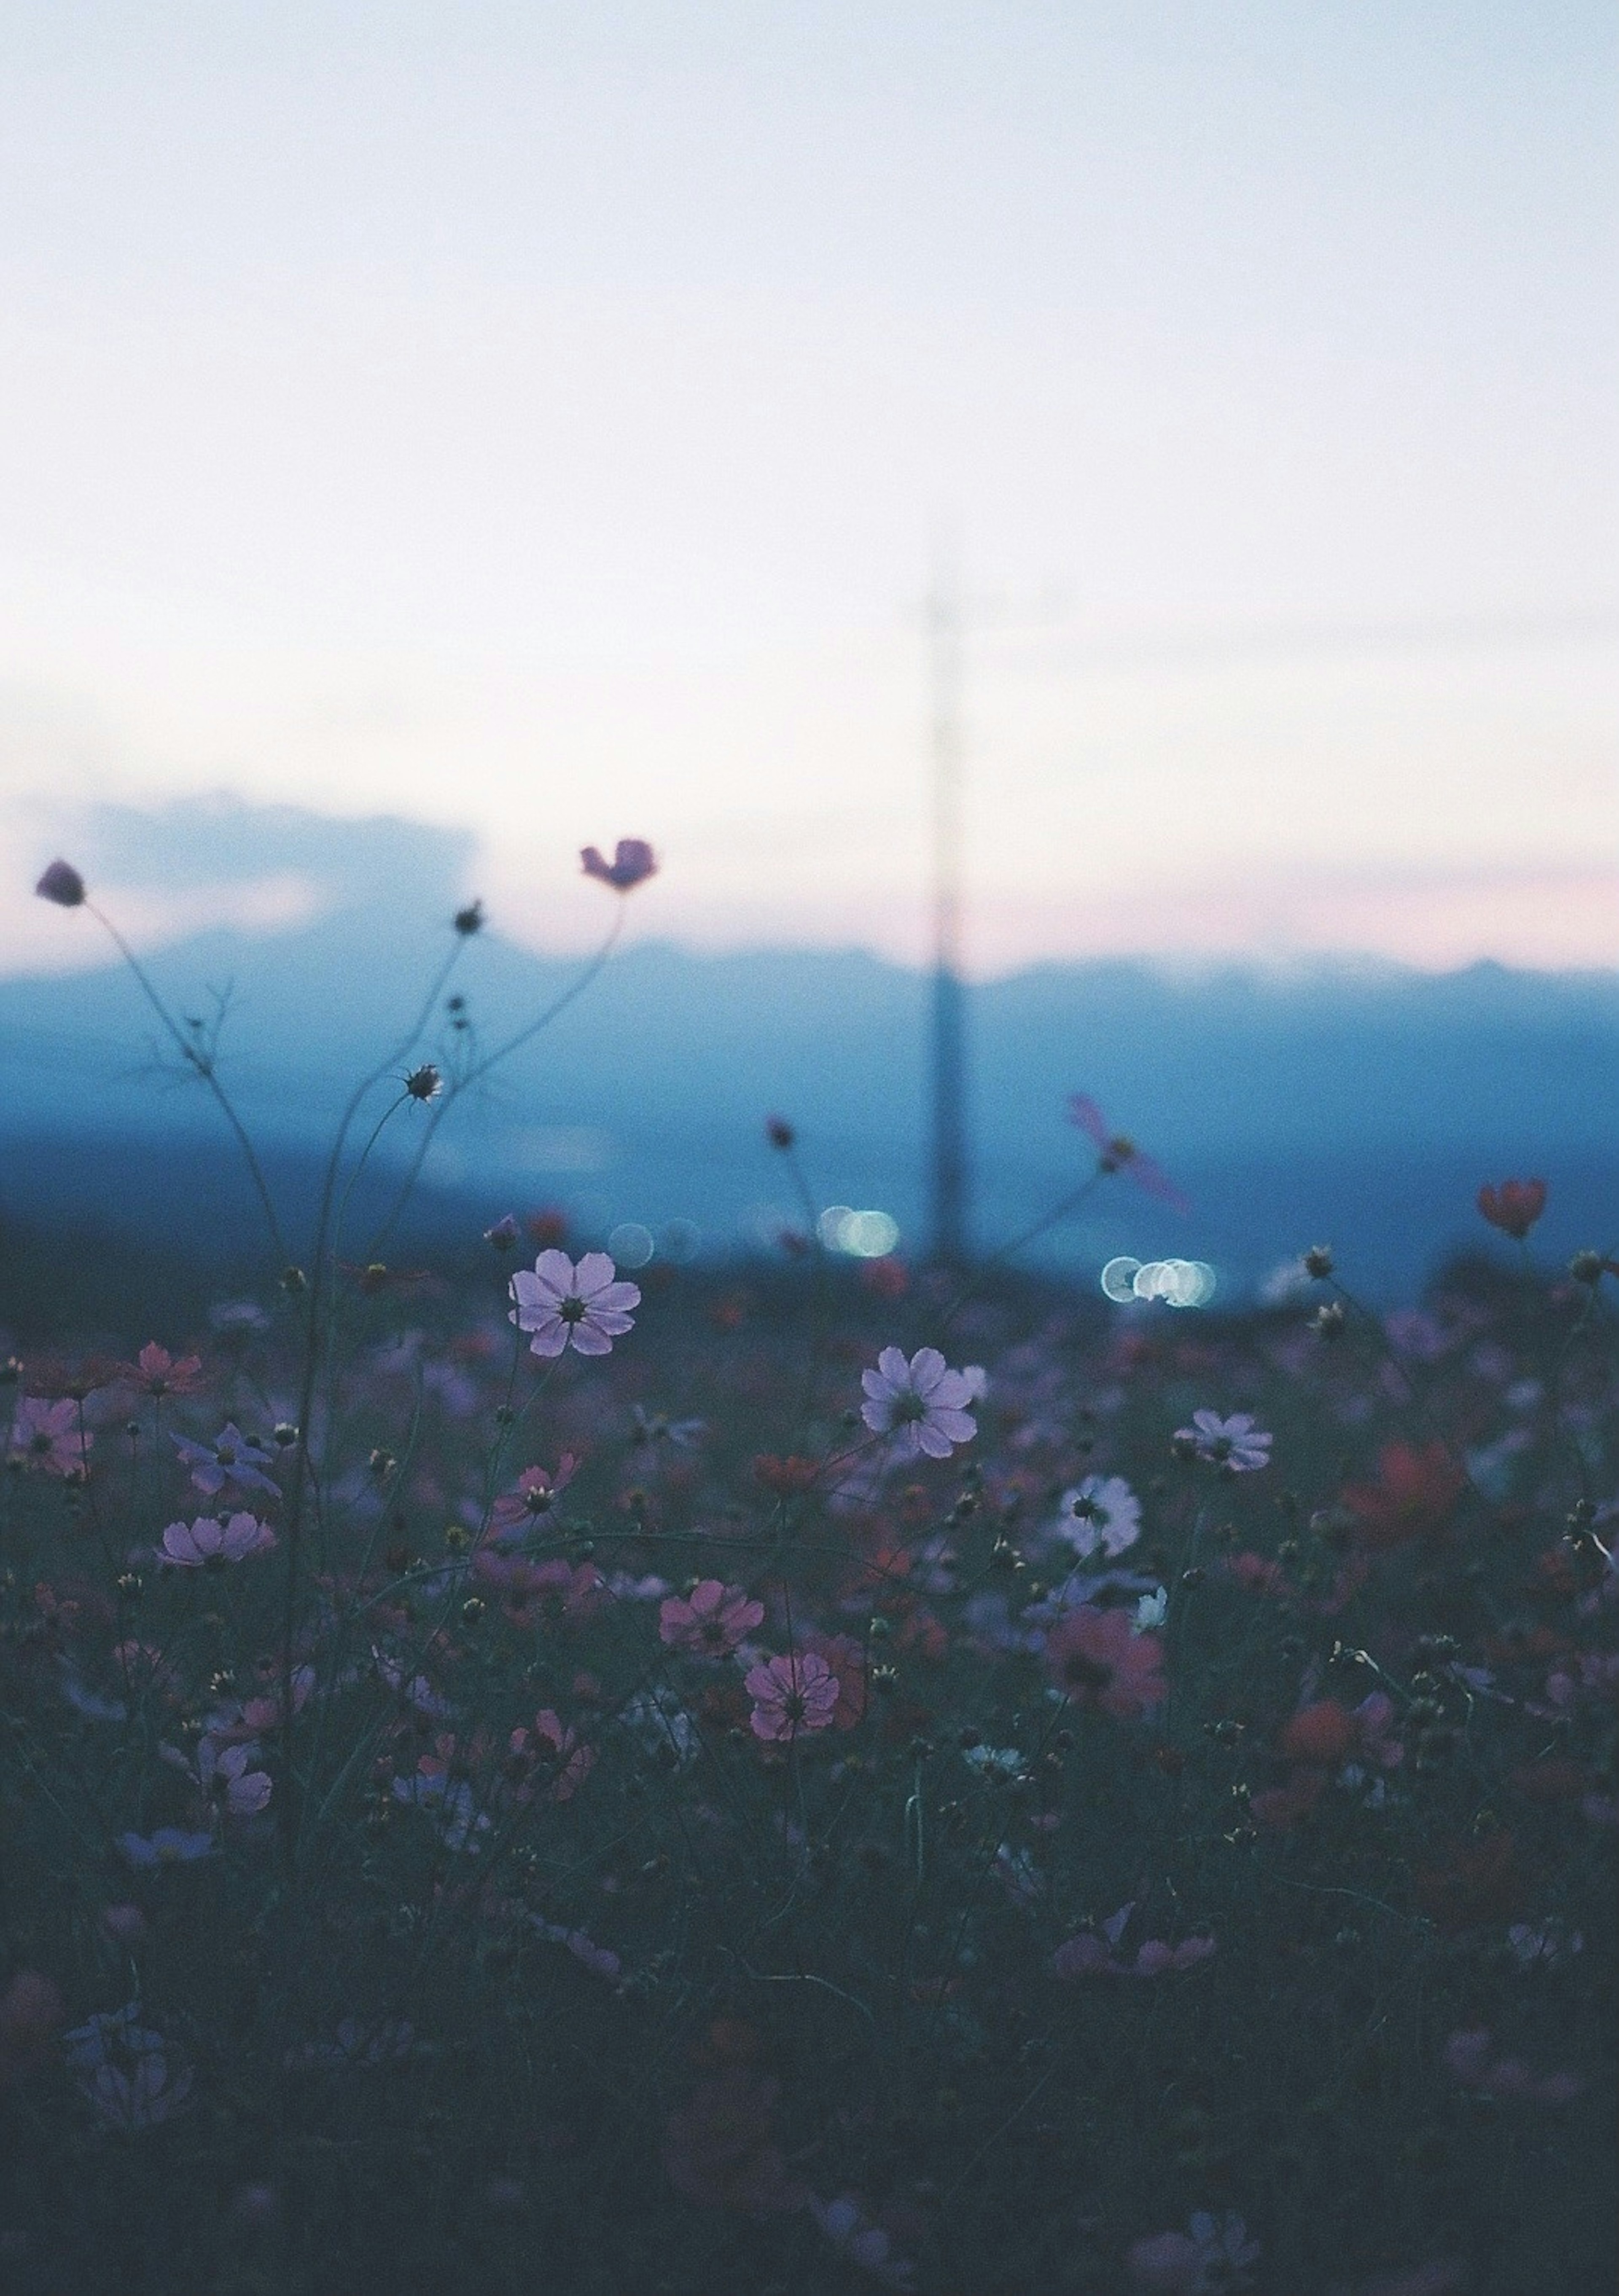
{"x":808,"y":1779}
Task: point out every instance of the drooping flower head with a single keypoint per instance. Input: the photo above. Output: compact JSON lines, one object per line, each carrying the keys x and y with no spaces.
{"x":1117,"y":1152}
{"x":921,"y":1405}
{"x":1514,"y":1206}
{"x":632,"y":863}
{"x":561,"y":1306}
{"x":63,"y":884}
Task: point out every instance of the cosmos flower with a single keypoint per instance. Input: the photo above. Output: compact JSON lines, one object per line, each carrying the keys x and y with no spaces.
{"x":1115,"y":1153}
{"x":226,"y":1776}
{"x":168,"y":1845}
{"x":211,"y":1541}
{"x":1514,"y":1206}
{"x":229,"y":1458}
{"x":919,"y":1405}
{"x":561,"y":1306}
{"x":1098,"y":1659}
{"x":790,"y":1694}
{"x":47,"y":1437}
{"x":711,"y":1620}
{"x":1237,"y":1444}
{"x":632,"y":863}
{"x":1102,"y":1512}
{"x":1414,"y":1496}
{"x":158,"y":1372}
{"x":535,"y":1496}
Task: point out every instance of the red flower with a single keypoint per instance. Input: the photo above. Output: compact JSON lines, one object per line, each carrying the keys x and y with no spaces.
{"x":785,"y":1476}
{"x":719,"y":2150}
{"x":1514,"y":1206}
{"x":1415,"y":1494}
{"x":1322,"y":1733}
{"x":1481,"y":1884}
{"x":1099,"y":1660}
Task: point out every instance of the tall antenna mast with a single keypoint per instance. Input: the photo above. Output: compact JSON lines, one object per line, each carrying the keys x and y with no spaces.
{"x":944,"y":614}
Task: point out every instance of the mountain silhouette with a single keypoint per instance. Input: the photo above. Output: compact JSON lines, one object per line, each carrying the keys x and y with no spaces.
{"x":1355,"y":1101}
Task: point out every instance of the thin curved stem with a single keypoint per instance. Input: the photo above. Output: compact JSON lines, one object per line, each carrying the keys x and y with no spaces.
{"x":203,"y":1065}
{"x":480,"y":1069}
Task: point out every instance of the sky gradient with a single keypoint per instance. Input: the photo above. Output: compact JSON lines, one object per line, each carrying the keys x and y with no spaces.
{"x":543,"y":419}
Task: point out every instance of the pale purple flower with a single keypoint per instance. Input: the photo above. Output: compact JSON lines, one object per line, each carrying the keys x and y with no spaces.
{"x":211,"y":1539}
{"x":227,"y":1775}
{"x":632,"y":862}
{"x":229,"y":1458}
{"x":1101,"y":1512}
{"x":792,"y":1693}
{"x":168,"y":1845}
{"x":921,"y":1405}
{"x":855,"y":2237}
{"x":358,"y":2044}
{"x":123,"y":2067}
{"x":1236,"y":1443}
{"x":559,"y":1305}
{"x":1213,"y":2254}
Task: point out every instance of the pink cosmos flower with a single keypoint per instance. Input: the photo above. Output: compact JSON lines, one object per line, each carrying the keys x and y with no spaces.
{"x":561,"y":1749}
{"x":559,"y":1305}
{"x":1118,"y":1153}
{"x":919,"y":1405}
{"x":632,"y":863}
{"x":711,"y":1620}
{"x":1096,"y":1658}
{"x":1237,"y":1444}
{"x":555,"y":1593}
{"x":792,"y":1693}
{"x":47,"y":1437}
{"x":535,"y":1497}
{"x":209,"y":1540}
{"x":158,"y":1372}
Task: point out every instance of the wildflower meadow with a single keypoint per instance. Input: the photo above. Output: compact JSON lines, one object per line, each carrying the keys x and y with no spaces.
{"x":801,"y":1775}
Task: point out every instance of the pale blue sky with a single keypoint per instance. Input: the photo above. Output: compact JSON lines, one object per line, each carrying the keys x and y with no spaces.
{"x":539,"y":418}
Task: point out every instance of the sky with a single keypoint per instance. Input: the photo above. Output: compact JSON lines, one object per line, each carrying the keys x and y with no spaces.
{"x":550,"y":420}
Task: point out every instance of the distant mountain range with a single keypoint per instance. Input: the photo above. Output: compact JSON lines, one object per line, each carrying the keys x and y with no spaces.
{"x":1351,"y":1101}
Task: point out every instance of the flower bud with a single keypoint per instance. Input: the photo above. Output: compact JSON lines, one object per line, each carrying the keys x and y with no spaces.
{"x":63,"y":884}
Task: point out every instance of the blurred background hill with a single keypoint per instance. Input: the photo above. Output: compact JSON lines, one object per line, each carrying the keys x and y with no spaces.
{"x":1359,"y":1100}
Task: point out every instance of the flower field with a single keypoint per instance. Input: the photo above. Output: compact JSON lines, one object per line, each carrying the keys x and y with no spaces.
{"x":802,"y":1777}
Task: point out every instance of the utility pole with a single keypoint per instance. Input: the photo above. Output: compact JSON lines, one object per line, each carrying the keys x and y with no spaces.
{"x":944,"y":614}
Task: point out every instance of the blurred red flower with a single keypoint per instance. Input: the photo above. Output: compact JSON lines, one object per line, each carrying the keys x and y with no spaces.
{"x":1514,"y":1206}
{"x":1415,"y":1494}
